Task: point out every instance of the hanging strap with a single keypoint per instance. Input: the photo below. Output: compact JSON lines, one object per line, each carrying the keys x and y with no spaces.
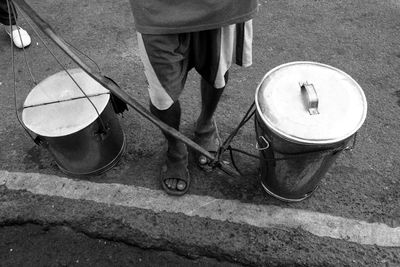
{"x":227,"y":143}
{"x":11,"y":11}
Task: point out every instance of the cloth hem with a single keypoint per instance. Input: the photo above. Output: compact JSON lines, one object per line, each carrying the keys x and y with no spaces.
{"x":203,"y":27}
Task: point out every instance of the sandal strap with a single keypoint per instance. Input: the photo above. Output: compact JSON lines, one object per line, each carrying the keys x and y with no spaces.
{"x":170,"y":172}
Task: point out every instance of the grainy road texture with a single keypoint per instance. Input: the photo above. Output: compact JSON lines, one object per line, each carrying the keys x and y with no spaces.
{"x":358,"y":37}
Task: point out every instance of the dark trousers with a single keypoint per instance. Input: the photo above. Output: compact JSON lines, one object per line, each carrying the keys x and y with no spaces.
{"x":4,"y":14}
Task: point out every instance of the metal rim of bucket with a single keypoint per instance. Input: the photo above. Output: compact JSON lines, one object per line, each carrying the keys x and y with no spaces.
{"x":304,"y":141}
{"x":101,"y":170}
{"x":288,"y":199}
{"x":70,"y":75}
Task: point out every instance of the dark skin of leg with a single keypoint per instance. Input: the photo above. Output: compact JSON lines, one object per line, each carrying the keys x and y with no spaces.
{"x":209,"y":99}
{"x":176,"y":149}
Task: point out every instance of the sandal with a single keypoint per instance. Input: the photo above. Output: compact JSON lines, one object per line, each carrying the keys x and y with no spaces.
{"x":177,"y":173}
{"x":210,"y":141}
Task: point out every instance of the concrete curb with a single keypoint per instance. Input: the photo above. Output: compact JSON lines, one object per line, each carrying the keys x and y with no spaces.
{"x":319,"y":224}
{"x":195,"y":225}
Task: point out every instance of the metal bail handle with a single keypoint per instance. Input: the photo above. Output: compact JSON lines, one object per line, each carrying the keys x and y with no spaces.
{"x":266,"y":144}
{"x":310,"y":98}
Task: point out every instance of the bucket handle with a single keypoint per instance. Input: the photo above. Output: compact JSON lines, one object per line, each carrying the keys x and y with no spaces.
{"x":264,"y":140}
{"x":353,"y":145}
{"x":310,"y":98}
{"x":295,"y":156}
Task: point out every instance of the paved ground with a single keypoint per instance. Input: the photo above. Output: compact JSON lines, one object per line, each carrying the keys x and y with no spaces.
{"x":359,"y":37}
{"x":34,"y":245}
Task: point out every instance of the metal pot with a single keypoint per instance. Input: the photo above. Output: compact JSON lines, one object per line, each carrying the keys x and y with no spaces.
{"x":307,"y":113}
{"x":73,"y":116}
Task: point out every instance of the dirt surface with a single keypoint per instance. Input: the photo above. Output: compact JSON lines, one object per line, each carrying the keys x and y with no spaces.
{"x":35,"y":245}
{"x":360,"y":37}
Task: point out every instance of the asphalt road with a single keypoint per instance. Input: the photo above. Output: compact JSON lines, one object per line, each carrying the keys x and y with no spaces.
{"x":35,"y":245}
{"x":358,"y":37}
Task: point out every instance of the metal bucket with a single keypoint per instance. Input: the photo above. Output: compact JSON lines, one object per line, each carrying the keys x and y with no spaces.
{"x":307,"y":113}
{"x":81,"y":132}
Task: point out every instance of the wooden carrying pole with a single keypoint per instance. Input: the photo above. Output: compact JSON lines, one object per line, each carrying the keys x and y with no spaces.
{"x":46,"y":29}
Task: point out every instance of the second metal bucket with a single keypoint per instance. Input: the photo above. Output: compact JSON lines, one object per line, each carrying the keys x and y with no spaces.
{"x":307,"y":113}
{"x":77,"y":124}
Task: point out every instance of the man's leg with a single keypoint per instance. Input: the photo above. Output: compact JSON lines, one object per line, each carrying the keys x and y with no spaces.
{"x":177,"y":155}
{"x":205,"y":128}
{"x":209,"y":101}
{"x":215,"y":51}
{"x":166,"y":66}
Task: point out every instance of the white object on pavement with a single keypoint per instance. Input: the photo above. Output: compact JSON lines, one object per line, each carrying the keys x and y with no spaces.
{"x":19,"y":36}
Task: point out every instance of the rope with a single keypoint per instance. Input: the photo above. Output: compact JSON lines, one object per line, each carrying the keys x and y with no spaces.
{"x":227,"y":143}
{"x":85,"y":55}
{"x":12,"y":11}
{"x":250,"y":112}
{"x":61,"y":101}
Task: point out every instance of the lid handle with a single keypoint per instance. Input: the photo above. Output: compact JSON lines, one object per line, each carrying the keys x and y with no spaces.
{"x":310,"y":98}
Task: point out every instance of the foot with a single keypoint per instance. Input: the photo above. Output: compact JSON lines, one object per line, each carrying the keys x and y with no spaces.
{"x":19,"y":36}
{"x":175,"y":178}
{"x":208,"y":138}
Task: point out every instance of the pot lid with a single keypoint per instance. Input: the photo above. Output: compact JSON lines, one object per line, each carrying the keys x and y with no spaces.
{"x":311,"y":103}
{"x":57,"y":107}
